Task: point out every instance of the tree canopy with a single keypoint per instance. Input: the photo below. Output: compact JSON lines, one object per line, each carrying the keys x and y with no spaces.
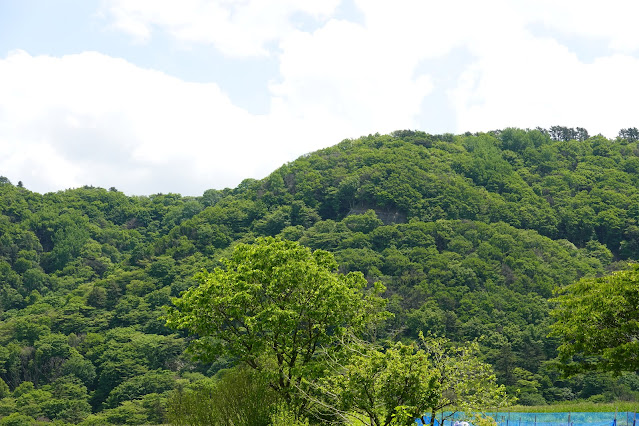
{"x":276,"y":302}
{"x":395,"y":385}
{"x":598,"y":321}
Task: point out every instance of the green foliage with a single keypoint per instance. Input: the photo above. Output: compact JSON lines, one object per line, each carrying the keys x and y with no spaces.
{"x":464,"y":382}
{"x":239,"y":397}
{"x":578,"y":406}
{"x":395,"y":385}
{"x":284,"y":416}
{"x":17,"y":419}
{"x":275,"y":303}
{"x":468,"y":233}
{"x":69,"y":401}
{"x":4,"y":389}
{"x":129,"y":413}
{"x":374,"y":384}
{"x":598,"y":321}
{"x":157,"y":381}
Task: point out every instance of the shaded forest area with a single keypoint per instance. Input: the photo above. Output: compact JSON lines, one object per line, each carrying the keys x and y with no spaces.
{"x":469,"y":233}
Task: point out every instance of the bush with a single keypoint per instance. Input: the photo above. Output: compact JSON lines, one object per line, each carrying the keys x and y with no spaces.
{"x":16,"y":419}
{"x":239,"y":397}
{"x":284,"y":416}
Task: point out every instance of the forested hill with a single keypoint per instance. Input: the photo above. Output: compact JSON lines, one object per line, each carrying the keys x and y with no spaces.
{"x":469,"y":233}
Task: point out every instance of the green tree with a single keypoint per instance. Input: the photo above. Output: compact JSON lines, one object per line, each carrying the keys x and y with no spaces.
{"x":598,"y":320}
{"x":273,"y":307}
{"x":398,"y":384}
{"x":4,"y":389}
{"x":463,"y":382}
{"x":157,"y":381}
{"x":375,"y":384}
{"x":17,"y":419}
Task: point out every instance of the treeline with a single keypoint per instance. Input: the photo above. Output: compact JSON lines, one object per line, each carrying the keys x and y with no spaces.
{"x":469,"y":234}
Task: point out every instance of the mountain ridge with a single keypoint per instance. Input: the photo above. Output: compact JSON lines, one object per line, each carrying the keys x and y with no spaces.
{"x":480,"y":229}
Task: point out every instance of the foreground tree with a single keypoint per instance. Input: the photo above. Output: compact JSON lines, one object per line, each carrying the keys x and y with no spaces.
{"x":379,"y":388}
{"x":463,"y":383}
{"x":598,"y":320}
{"x":272,"y":307}
{"x":393,"y":386}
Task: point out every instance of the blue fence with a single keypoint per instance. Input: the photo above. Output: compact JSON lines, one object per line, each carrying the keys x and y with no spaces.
{"x":538,"y":419}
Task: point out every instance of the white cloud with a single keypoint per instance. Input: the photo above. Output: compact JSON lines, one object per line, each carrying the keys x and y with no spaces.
{"x":89,"y":119}
{"x":93,"y":119}
{"x":524,"y":81}
{"x":613,"y":21}
{"x":517,"y":79}
{"x":343,"y":72}
{"x":235,"y":27}
{"x":362,"y":77}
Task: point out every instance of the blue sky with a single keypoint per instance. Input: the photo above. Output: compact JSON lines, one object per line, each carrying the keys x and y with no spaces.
{"x":163,"y":96}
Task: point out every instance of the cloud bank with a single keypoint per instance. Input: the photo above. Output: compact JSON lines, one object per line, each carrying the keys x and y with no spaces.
{"x":90,"y":118}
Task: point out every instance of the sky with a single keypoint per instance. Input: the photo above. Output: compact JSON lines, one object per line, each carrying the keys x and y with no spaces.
{"x":159,"y":96}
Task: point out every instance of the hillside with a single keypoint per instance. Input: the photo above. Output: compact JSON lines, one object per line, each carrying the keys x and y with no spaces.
{"x":469,"y":233}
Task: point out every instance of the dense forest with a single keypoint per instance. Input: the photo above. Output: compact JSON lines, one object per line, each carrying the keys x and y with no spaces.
{"x":469,"y":234}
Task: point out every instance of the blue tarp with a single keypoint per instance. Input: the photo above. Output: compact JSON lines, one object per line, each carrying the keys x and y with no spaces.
{"x":425,"y":420}
{"x":541,"y":419}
